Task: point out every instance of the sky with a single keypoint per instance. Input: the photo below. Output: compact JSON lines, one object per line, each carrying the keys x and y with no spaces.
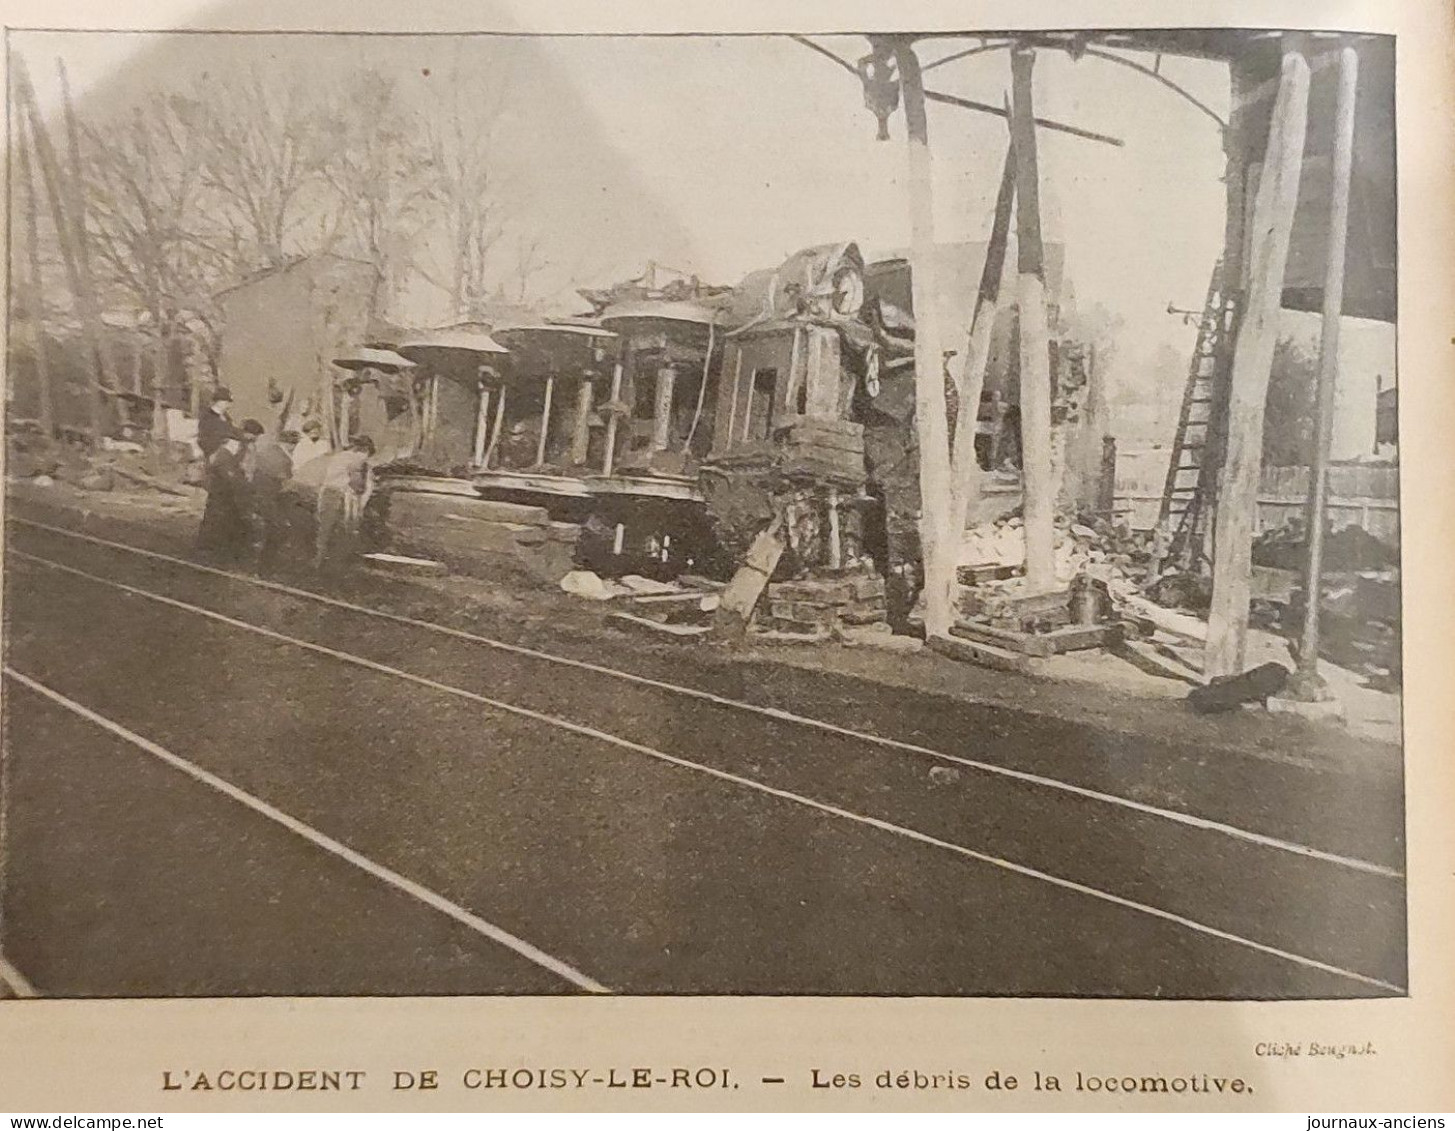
{"x":722,"y":155}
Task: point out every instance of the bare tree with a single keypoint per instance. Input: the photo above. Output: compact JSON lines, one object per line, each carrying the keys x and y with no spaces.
{"x":148,"y":217}
{"x":262,"y":151}
{"x":377,"y":166}
{"x":471,"y":182}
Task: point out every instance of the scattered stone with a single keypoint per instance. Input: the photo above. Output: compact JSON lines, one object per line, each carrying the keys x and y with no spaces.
{"x":584,"y":583}
{"x":944,"y":775}
{"x":878,"y":636}
{"x":1325,"y":710}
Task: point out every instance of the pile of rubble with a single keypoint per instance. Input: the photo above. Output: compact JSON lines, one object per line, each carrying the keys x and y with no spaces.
{"x":820,"y":606}
{"x":116,"y":465}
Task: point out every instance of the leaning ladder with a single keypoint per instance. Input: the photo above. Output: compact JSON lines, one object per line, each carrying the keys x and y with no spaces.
{"x":1188,"y":496}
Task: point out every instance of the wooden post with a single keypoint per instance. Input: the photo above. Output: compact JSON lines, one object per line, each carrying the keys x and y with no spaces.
{"x":965,"y":468}
{"x":499,"y":426}
{"x":836,"y":542}
{"x":70,"y":231}
{"x":608,"y":462}
{"x":482,"y":423}
{"x":1307,"y":683}
{"x":1272,"y":222}
{"x":1086,"y":454}
{"x":931,"y":412}
{"x":740,"y":597}
{"x":34,"y":286}
{"x":1035,"y":354}
{"x":1106,"y":485}
{"x":545,"y":422}
{"x":581,"y":426}
{"x":701,"y":388}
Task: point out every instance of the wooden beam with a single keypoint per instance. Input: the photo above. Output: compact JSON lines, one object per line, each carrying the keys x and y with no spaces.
{"x":1001,"y":112}
{"x":1307,"y":682}
{"x":545,"y":422}
{"x":931,"y":414}
{"x":499,"y":425}
{"x":1039,"y":508}
{"x":482,"y":422}
{"x":608,"y":462}
{"x":964,"y":466}
{"x":33,"y":289}
{"x":1272,"y":223}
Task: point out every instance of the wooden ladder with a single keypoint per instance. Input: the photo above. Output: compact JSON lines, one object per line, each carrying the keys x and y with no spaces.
{"x":1188,"y":496}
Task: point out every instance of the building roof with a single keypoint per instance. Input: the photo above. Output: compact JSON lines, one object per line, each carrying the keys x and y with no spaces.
{"x":317,"y":259}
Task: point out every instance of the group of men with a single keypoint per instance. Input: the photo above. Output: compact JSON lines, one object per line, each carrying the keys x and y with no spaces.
{"x":261,"y":487}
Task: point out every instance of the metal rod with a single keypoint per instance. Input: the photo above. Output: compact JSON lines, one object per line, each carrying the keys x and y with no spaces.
{"x":966,"y":103}
{"x":1158,"y":77}
{"x":1001,"y":112}
{"x":958,"y":55}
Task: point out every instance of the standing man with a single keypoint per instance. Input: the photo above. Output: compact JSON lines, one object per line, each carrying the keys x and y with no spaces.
{"x":225,"y":527}
{"x":310,"y":446}
{"x":347,"y":483}
{"x":215,"y":426}
{"x":269,"y":467}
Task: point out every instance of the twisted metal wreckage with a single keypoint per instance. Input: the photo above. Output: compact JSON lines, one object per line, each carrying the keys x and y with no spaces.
{"x":821,"y":423}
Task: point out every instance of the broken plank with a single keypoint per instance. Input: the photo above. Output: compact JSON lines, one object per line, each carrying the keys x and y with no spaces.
{"x":1051,"y":643}
{"x":984,"y":655}
{"x":628,"y":620}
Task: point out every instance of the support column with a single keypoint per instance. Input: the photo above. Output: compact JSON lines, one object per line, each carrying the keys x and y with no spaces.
{"x":482,"y":423}
{"x":821,"y":371}
{"x":545,"y":422}
{"x":499,"y":426}
{"x":1307,"y":683}
{"x":931,"y":413}
{"x":1272,"y":223}
{"x":662,"y":409}
{"x":1037,"y":477}
{"x":581,"y":425}
{"x":608,"y":462}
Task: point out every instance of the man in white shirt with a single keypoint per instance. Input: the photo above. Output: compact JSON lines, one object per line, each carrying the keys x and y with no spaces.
{"x":344,"y":491}
{"x":310,"y":446}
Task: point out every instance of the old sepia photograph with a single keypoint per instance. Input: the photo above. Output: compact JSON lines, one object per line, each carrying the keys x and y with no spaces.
{"x":864,"y":514}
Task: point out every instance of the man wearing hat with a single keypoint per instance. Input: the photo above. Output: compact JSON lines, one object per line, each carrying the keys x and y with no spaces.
{"x":269,"y":469}
{"x":311,"y":445}
{"x":343,"y":493}
{"x":216,"y":423}
{"x":226,"y":525}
